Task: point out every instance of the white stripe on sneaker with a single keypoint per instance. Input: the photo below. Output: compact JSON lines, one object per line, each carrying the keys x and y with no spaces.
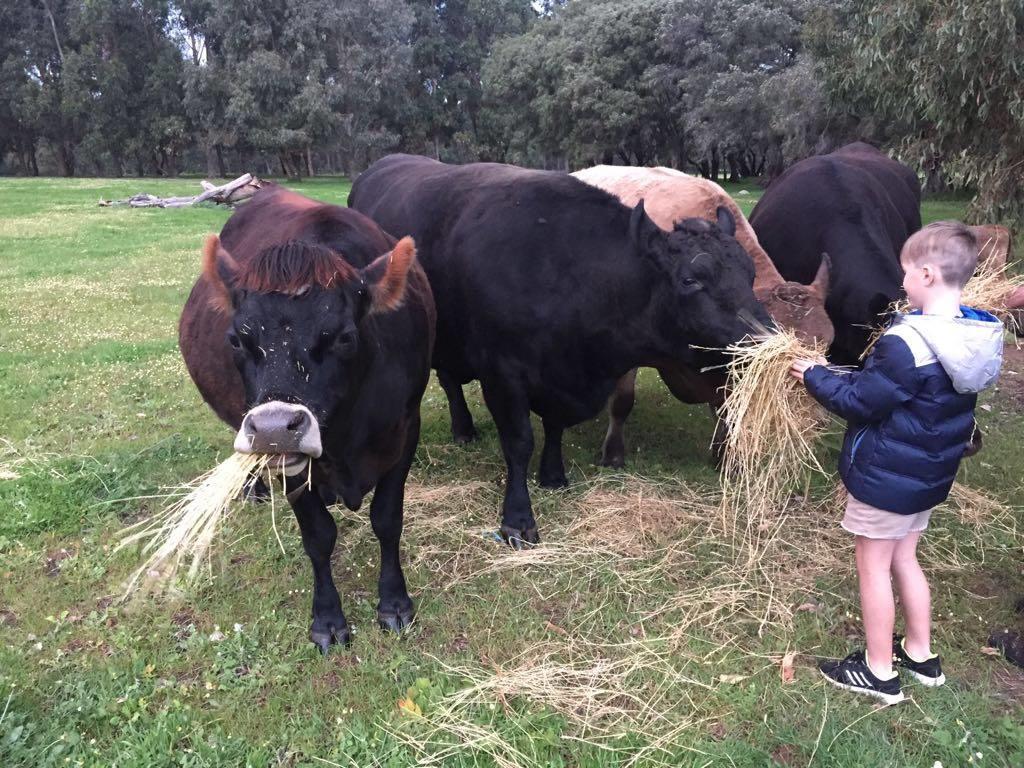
{"x":887,"y":698}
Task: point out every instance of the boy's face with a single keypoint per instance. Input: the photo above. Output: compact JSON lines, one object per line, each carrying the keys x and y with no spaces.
{"x":922,"y":282}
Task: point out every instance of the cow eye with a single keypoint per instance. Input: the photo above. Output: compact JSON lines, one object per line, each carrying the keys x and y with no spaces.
{"x":346,"y":343}
{"x":234,"y":341}
{"x":691,"y":282}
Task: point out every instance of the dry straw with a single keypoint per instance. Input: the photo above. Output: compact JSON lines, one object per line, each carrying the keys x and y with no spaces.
{"x":773,"y":424}
{"x":184,"y":530}
{"x":604,"y":692}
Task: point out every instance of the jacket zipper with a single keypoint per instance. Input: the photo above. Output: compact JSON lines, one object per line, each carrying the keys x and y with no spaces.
{"x":856,"y":441}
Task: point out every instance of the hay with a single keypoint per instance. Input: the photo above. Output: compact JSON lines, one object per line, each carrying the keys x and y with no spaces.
{"x":773,"y":425}
{"x":184,"y":530}
{"x":603,"y":692}
{"x":990,"y":289}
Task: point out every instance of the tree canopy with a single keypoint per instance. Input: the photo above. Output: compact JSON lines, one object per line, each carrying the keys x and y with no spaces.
{"x":734,"y":88}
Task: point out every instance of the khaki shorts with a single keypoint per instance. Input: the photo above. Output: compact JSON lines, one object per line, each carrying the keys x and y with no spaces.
{"x":864,"y":520}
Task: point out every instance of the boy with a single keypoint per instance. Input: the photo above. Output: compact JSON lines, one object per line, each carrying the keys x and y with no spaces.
{"x":911,"y":415}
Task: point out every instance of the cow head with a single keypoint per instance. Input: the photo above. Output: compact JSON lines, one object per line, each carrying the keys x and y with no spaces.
{"x":298,"y":311}
{"x":801,"y":308}
{"x":708,"y":292}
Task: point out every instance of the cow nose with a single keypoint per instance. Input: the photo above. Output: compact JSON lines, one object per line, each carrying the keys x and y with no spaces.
{"x":277,"y":427}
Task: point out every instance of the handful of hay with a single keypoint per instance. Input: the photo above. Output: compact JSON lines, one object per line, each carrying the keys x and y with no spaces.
{"x":184,"y":530}
{"x":772,"y":421}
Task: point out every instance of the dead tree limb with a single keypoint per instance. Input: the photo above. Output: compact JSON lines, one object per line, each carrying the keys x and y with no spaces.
{"x":233,"y":192}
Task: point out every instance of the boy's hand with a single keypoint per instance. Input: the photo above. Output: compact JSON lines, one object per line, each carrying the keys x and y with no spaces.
{"x":800,"y":366}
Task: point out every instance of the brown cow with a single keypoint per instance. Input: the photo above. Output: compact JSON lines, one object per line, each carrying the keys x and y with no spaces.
{"x":310,"y":332}
{"x":669,"y":196}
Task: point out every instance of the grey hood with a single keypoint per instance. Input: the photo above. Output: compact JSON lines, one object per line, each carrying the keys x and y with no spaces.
{"x":969,"y":348}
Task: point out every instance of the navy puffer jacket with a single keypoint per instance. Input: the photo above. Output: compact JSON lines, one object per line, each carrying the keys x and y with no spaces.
{"x":911,"y":409}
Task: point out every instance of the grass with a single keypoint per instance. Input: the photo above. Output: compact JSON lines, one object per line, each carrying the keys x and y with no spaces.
{"x":628,"y":638}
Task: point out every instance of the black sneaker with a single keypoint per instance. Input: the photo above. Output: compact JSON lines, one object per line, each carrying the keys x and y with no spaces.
{"x":927,"y":672}
{"x":854,"y":674}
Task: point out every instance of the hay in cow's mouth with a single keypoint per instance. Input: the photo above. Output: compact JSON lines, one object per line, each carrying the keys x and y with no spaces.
{"x":773,"y":425}
{"x":184,"y":529}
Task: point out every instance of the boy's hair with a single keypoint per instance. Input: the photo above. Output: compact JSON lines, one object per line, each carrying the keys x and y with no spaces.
{"x":950,"y":246}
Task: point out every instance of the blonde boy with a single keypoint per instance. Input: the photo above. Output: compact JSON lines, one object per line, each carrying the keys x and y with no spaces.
{"x":910,"y":415}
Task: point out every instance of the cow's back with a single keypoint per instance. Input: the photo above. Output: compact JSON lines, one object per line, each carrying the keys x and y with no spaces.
{"x":859,"y":209}
{"x":670,"y":196}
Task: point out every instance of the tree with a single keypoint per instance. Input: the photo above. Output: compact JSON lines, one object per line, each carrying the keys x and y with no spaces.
{"x":944,"y":78}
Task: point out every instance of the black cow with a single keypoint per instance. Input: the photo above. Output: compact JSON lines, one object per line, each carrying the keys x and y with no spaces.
{"x":548,"y":290}
{"x":859,"y":206}
{"x":302,"y":336}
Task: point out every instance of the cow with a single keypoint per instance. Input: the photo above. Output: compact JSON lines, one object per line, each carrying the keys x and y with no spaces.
{"x":669,"y":196}
{"x":859,"y":206}
{"x":310,"y":333}
{"x":548,"y":290}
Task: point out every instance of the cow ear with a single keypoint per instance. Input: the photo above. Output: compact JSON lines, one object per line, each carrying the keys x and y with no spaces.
{"x":821,"y":279}
{"x":642,"y":230}
{"x":221,"y":272}
{"x":726,"y":221}
{"x":388,"y":276}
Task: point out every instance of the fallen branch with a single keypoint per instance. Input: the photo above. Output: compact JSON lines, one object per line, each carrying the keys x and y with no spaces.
{"x":236,"y":191}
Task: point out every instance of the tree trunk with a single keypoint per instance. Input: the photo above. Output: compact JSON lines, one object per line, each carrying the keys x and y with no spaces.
{"x":211,"y":162}
{"x":309,"y":161}
{"x":222,"y":172}
{"x":734,"y":167}
{"x":284,"y":165}
{"x":714,"y":164}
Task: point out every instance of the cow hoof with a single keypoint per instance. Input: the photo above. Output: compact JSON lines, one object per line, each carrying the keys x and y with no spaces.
{"x":464,"y":438}
{"x":519,"y":539}
{"x":614,"y":462}
{"x":324,"y":639}
{"x":395,"y":620}
{"x":555,"y":481}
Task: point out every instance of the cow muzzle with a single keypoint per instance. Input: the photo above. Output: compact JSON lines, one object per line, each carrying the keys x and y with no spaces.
{"x":280,"y":428}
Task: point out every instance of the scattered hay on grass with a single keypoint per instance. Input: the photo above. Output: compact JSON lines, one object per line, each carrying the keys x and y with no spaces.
{"x":603,"y":692}
{"x":639,"y":517}
{"x":184,"y":530}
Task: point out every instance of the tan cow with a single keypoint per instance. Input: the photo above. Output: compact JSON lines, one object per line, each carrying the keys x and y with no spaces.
{"x":669,"y":196}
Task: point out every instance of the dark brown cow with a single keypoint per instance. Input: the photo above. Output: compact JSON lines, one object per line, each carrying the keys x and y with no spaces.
{"x":310,"y":332}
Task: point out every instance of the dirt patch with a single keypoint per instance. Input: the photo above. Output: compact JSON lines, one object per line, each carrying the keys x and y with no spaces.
{"x":1009,"y":684}
{"x":785,"y":754}
{"x":8,"y":618}
{"x":54,"y":559}
{"x":1011,"y":380}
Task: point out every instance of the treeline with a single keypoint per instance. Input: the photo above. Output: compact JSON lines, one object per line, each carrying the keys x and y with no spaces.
{"x":733,"y":88}
{"x":297,"y":87}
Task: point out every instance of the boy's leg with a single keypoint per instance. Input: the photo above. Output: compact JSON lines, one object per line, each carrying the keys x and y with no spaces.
{"x":914,"y":596}
{"x":874,"y":560}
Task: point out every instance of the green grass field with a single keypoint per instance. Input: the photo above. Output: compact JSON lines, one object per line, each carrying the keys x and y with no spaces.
{"x":631,"y":637}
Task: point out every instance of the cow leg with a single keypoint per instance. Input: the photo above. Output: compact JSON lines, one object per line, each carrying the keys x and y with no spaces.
{"x":319,"y":534}
{"x":620,"y":405}
{"x":395,"y":609}
{"x":551,"y":473}
{"x":511,"y":414}
{"x":463,"y":430}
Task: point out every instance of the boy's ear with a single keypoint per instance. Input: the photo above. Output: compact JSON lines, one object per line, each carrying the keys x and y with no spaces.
{"x":221,"y":272}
